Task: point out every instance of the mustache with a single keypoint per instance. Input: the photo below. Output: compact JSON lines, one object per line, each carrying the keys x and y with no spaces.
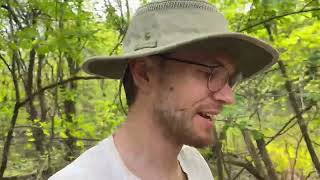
{"x":200,"y":107}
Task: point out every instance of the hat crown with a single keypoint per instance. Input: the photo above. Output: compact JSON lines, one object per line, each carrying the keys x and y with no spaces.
{"x":175,"y":4}
{"x":164,"y":26}
{"x":167,"y":22}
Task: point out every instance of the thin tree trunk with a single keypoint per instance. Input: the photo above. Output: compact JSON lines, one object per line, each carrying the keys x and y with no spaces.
{"x":17,"y":106}
{"x":9,"y":137}
{"x":254,"y":154}
{"x":216,"y":149}
{"x":266,"y":159}
{"x":297,"y":110}
{"x":301,"y":121}
{"x":42,"y":100}
{"x":245,"y":165}
{"x":37,"y":132}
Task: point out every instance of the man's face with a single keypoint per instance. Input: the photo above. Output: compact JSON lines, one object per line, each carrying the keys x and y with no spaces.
{"x":183,"y":102}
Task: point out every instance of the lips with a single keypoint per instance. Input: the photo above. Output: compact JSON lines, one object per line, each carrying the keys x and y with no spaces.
{"x":207,"y":115}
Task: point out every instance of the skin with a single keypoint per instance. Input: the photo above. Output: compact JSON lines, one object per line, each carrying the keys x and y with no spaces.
{"x":165,"y":116}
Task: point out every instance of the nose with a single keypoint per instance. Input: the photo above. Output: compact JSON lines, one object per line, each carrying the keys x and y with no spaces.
{"x":225,"y":95}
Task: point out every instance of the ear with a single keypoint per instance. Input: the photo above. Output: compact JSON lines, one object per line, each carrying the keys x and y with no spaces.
{"x":140,"y":75}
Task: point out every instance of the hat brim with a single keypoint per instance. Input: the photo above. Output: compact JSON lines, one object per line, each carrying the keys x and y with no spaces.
{"x":250,"y":55}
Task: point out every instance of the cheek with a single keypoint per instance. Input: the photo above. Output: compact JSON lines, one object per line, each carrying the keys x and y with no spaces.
{"x":187,"y":93}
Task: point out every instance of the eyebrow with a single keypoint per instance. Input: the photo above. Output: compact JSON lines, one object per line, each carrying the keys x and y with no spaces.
{"x":189,"y":61}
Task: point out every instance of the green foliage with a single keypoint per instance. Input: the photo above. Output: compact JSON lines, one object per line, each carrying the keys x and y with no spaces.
{"x":64,"y":33}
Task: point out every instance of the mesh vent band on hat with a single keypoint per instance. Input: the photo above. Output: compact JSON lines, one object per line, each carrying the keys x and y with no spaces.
{"x":176,"y":4}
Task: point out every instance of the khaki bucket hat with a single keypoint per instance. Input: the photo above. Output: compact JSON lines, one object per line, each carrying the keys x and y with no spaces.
{"x":163,"y":26}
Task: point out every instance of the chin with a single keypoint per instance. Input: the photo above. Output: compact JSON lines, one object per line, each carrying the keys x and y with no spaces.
{"x":200,"y":142}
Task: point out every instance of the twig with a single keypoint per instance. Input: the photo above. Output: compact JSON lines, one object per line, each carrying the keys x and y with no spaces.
{"x":280,"y":132}
{"x":79,"y":139}
{"x":57,"y":84}
{"x":278,"y":17}
{"x":307,"y":4}
{"x":128,"y":10}
{"x":117,"y":45}
{"x":318,"y":144}
{"x":296,"y":157}
{"x":246,"y":166}
{"x":238,"y":174}
{"x":5,"y":62}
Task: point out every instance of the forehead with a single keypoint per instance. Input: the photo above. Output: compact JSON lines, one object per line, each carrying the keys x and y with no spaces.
{"x":205,"y":57}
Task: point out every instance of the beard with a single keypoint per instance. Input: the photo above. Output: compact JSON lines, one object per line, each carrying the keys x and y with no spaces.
{"x":176,"y":125}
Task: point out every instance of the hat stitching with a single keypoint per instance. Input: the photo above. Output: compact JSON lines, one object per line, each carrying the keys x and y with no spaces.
{"x":156,"y":6}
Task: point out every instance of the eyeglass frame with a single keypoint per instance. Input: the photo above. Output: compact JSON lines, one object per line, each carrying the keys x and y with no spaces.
{"x":236,"y":78}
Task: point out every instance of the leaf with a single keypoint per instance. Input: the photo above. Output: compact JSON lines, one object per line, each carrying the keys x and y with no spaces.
{"x":257,"y":135}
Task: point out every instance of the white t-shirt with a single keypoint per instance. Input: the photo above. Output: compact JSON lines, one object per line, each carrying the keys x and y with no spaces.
{"x":103,"y":162}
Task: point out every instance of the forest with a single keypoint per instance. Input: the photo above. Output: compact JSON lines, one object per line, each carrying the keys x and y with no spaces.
{"x":51,"y":111}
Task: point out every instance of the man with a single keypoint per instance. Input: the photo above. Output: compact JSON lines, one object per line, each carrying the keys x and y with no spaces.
{"x":179,"y":69}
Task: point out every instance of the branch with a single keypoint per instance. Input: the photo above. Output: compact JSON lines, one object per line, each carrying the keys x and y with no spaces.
{"x":306,"y":5}
{"x":5,"y":62}
{"x":12,"y":13}
{"x":280,"y":132}
{"x":128,"y":10}
{"x":117,"y":45}
{"x":318,"y":144}
{"x":238,"y":174}
{"x":57,"y":84}
{"x":79,"y":139}
{"x":246,"y":166}
{"x":278,"y":17}
{"x":296,"y":156}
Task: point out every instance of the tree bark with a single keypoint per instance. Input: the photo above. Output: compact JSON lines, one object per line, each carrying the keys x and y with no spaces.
{"x":301,"y":121}
{"x":9,"y":137}
{"x":247,"y":166}
{"x":297,"y":110}
{"x":216,"y":149}
{"x":37,"y":132}
{"x":266,"y":159}
{"x":13,"y":71}
{"x":254,"y":154}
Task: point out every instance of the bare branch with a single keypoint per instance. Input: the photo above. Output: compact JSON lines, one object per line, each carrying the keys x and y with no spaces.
{"x":306,"y":5}
{"x":57,"y":84}
{"x":6,"y":63}
{"x":249,"y":167}
{"x":318,"y":144}
{"x":128,"y":10}
{"x":278,"y":17}
{"x":117,"y":45}
{"x":283,"y":129}
{"x":296,"y":156}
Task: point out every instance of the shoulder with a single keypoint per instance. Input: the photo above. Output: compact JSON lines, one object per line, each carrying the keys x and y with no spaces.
{"x":191,"y":154}
{"x":192,"y":161}
{"x":92,"y":164}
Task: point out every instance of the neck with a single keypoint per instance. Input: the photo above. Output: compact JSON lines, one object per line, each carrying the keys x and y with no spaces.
{"x":141,"y":144}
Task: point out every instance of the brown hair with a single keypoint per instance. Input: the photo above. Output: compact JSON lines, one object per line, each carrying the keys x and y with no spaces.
{"x":130,"y":88}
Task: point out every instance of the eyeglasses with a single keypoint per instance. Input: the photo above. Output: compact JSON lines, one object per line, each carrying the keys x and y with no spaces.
{"x":218,"y":77}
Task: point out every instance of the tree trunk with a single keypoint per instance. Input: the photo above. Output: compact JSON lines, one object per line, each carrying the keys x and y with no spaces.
{"x":297,"y":110}
{"x":37,"y":131}
{"x":254,"y":154}
{"x":70,"y":109}
{"x":216,"y":149}
{"x":9,"y":137}
{"x":301,"y":121}
{"x":266,"y":159}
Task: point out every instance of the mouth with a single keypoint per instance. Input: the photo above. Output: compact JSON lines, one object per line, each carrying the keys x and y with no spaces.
{"x":207,"y":115}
